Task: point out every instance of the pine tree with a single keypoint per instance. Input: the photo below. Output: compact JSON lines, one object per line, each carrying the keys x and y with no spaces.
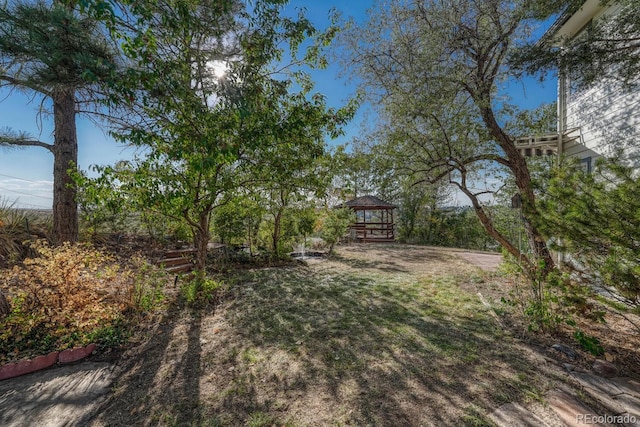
{"x":52,"y":51}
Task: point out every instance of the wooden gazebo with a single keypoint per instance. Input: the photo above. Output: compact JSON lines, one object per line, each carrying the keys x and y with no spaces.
{"x":374,"y":220}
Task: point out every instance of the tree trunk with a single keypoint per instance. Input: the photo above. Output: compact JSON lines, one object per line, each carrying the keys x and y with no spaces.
{"x":277,"y":221}
{"x":201,"y":238}
{"x":277,"y":225}
{"x":65,"y":156}
{"x":487,"y":223}
{"x":520,"y":170}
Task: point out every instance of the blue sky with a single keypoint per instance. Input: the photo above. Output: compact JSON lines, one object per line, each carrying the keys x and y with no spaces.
{"x":26,"y":174}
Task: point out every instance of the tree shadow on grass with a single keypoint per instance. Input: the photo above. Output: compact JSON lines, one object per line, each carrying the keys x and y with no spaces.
{"x":322,"y":346}
{"x":159,"y":379}
{"x":360,"y":349}
{"x":370,"y":264}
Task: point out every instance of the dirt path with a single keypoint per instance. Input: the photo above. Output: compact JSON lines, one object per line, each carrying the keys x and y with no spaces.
{"x":484,"y":260}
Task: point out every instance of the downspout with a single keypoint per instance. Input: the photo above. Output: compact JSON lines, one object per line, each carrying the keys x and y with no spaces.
{"x":562,"y":127}
{"x":562,"y":112}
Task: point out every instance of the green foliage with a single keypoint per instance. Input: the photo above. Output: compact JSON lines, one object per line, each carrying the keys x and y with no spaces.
{"x":165,"y":229}
{"x":261,"y":419}
{"x":57,"y":53}
{"x":458,"y":228}
{"x":201,"y":290}
{"x":606,"y":49}
{"x":357,"y":173}
{"x":209,"y":137}
{"x":49,"y":44}
{"x":442,"y":115}
{"x":109,"y":336}
{"x":589,"y":343}
{"x":229,"y":222}
{"x":473,"y":417}
{"x":101,"y":207}
{"x":548,"y":301}
{"x":545,"y":309}
{"x":305,"y":221}
{"x":596,"y":217}
{"x":335,"y":225}
{"x":147,"y":293}
{"x":286,"y":226}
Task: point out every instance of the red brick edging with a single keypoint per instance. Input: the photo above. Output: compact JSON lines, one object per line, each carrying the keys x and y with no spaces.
{"x":11,"y":370}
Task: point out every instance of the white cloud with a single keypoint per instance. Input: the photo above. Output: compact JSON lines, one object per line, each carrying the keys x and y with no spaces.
{"x":26,"y":193}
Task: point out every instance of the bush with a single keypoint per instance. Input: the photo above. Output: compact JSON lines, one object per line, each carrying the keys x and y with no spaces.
{"x":146,"y":291}
{"x":336,"y":224}
{"x":550,"y":302}
{"x":589,"y":343}
{"x":70,"y":295}
{"x":596,"y":217}
{"x":200,"y":290}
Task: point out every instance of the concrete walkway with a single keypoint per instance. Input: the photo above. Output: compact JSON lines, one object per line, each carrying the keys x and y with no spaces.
{"x":61,"y":396}
{"x":620,"y":398}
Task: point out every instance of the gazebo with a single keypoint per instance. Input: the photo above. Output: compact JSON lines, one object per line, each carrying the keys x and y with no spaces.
{"x":374,"y":219}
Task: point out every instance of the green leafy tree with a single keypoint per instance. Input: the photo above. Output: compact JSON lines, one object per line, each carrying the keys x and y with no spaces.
{"x":56,"y":53}
{"x":100,"y":207}
{"x":335,"y":226}
{"x":238,"y":221}
{"x":434,"y":69}
{"x":608,"y":48}
{"x":204,"y":133}
{"x":294,"y":169}
{"x":356,"y":174}
{"x":305,"y":221}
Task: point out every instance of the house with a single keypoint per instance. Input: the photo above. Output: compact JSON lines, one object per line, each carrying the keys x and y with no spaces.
{"x":594,"y":121}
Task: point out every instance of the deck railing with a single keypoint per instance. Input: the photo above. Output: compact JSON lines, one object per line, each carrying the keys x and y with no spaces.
{"x":373,"y":231}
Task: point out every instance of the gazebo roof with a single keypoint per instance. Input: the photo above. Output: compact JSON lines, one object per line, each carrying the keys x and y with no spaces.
{"x":371,"y":202}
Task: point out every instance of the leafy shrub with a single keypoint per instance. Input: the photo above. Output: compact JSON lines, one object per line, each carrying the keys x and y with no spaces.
{"x":589,"y":343}
{"x":101,"y":208}
{"x":336,"y":224}
{"x":70,"y":295}
{"x":200,"y":290}
{"x":458,"y":228}
{"x":548,"y":302}
{"x":147,"y":290}
{"x":238,"y":221}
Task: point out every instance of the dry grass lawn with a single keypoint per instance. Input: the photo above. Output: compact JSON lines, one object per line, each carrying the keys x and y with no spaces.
{"x":377,"y":336}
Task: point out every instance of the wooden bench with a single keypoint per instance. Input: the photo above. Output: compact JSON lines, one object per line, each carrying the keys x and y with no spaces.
{"x":178,"y":260}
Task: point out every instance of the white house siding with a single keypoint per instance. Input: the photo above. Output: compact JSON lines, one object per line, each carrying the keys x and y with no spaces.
{"x":607,"y":115}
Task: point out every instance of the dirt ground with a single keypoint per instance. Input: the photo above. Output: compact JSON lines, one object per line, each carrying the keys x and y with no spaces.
{"x":383,"y":335}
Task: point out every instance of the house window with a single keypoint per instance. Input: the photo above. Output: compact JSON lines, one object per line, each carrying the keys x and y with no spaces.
{"x":586,"y":164}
